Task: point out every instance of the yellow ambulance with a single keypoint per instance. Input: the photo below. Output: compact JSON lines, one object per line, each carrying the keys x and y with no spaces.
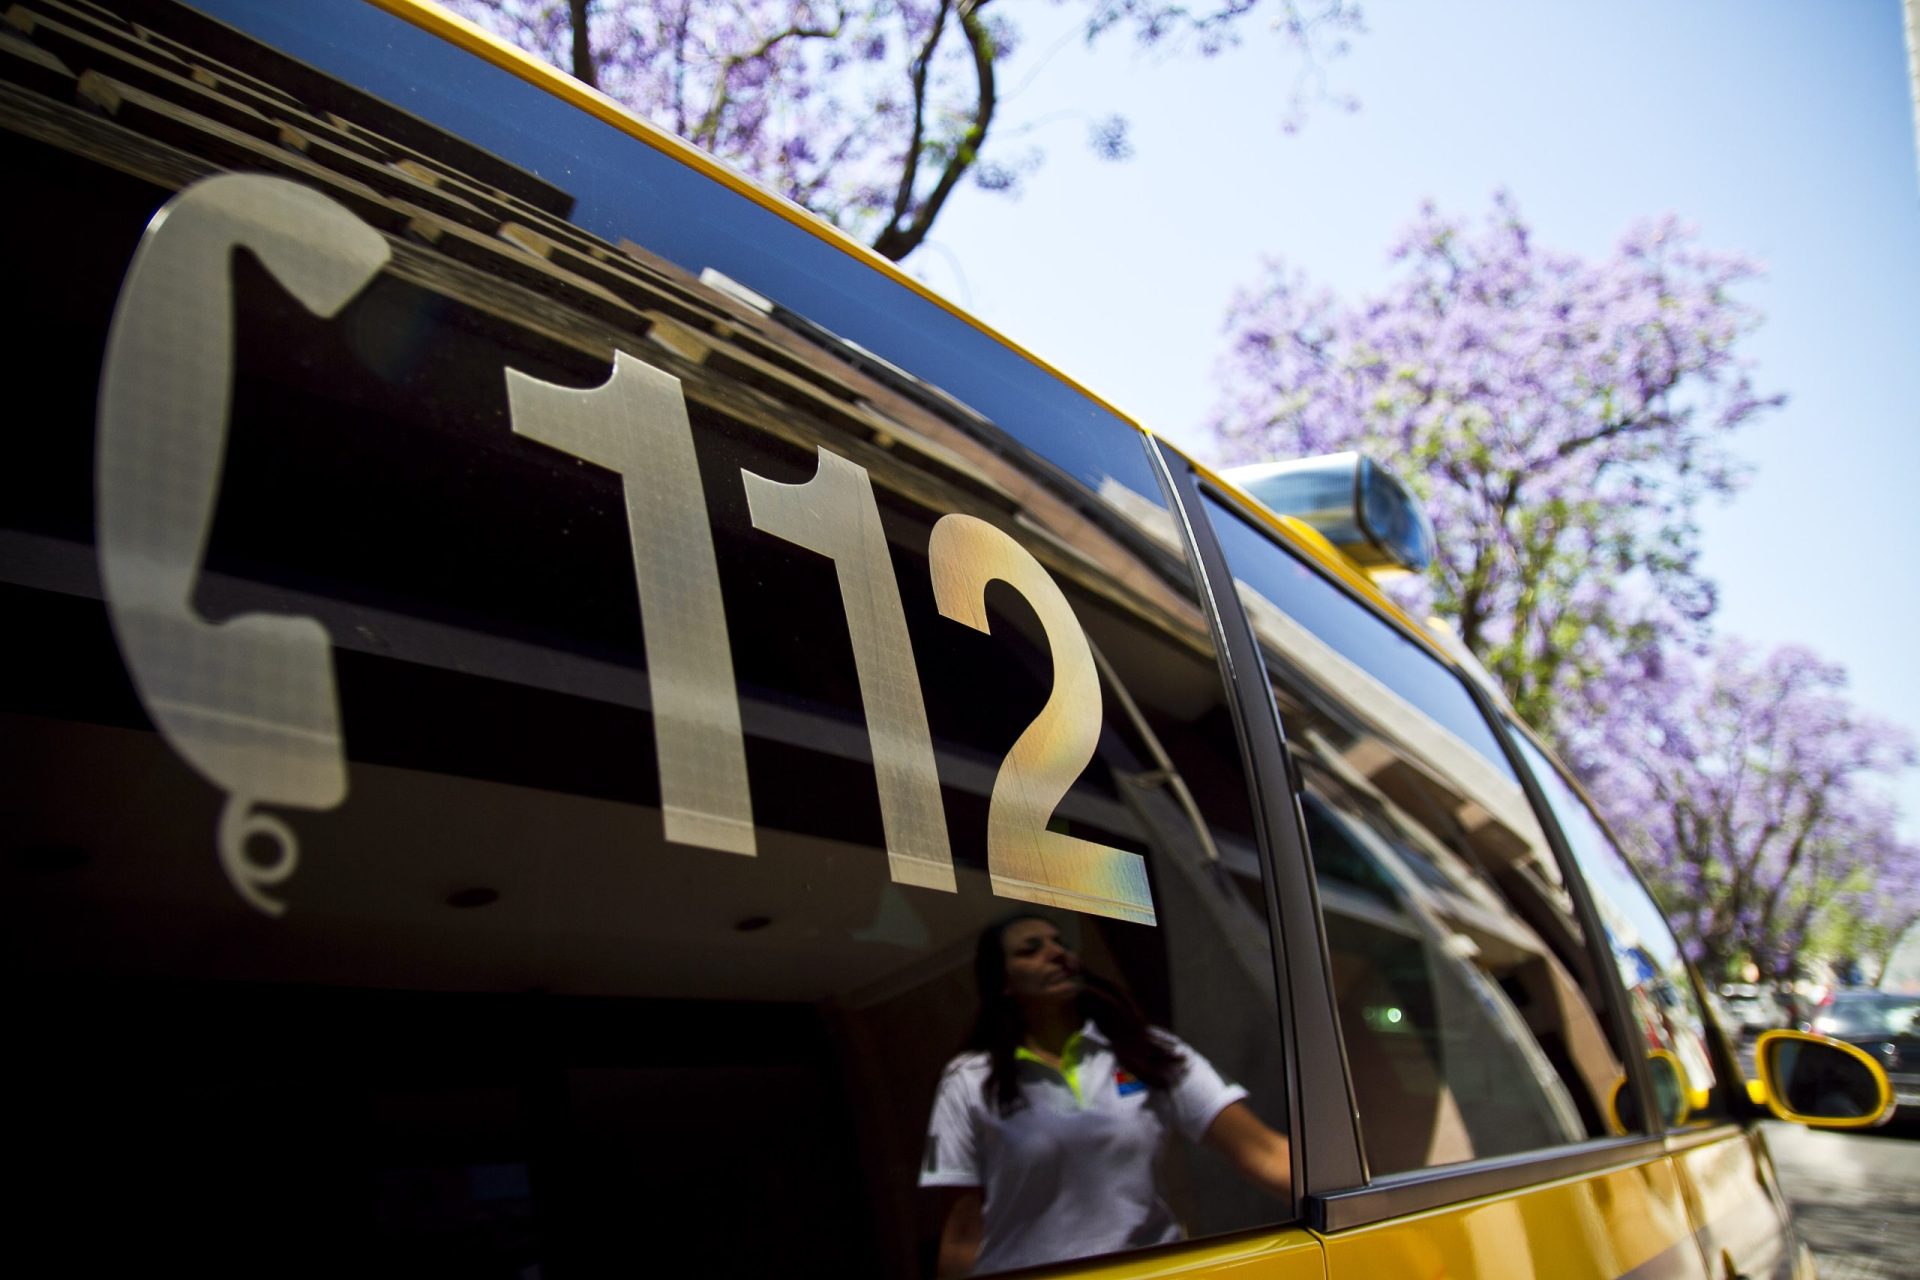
{"x":562,"y":720}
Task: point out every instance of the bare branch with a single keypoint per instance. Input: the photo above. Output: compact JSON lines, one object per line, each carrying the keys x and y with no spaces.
{"x":916,"y":139}
{"x":896,"y":241}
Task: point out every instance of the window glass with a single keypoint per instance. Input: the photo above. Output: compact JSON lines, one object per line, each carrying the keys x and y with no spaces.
{"x":411,"y":950}
{"x":1465,"y":988}
{"x":623,"y":189}
{"x":1653,"y":970}
{"x":1358,"y":638}
{"x":1868,"y":1013}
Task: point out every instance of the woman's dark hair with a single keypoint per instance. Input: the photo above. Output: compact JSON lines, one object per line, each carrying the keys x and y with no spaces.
{"x":999,"y":1028}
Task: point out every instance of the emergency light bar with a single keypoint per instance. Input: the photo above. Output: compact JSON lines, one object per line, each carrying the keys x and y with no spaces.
{"x":1358,"y":505}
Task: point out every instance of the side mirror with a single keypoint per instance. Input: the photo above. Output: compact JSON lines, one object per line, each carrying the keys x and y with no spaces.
{"x":1670,"y":1093}
{"x":1815,"y":1081}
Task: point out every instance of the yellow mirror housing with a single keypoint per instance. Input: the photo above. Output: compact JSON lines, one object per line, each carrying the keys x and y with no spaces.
{"x":1823,"y":1083}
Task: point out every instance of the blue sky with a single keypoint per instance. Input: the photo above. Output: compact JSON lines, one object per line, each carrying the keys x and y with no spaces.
{"x":1781,"y":130}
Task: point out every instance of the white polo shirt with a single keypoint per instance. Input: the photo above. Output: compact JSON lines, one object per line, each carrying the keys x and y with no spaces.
{"x":1075,"y":1171}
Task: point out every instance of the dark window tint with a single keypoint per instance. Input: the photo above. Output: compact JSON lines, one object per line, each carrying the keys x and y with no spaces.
{"x":1653,"y":970}
{"x":501,"y":1024}
{"x":627,"y":190}
{"x":1465,"y":987}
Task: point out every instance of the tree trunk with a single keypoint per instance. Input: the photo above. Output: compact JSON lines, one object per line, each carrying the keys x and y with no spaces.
{"x":582,"y":44}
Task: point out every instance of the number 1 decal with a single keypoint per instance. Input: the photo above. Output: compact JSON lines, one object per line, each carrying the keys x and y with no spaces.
{"x":835,"y":514}
{"x":636,"y":424}
{"x":1026,"y":861}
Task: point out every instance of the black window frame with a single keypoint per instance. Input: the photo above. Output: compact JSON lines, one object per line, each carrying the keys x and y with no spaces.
{"x":1326,"y":1133}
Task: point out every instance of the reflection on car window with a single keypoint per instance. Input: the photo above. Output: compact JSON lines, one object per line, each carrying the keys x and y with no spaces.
{"x":502,"y":1024}
{"x":625,"y":190}
{"x":1652,"y":968}
{"x":1387,"y":657}
{"x":1465,"y":987}
{"x":1857,"y":1013}
{"x":1050,"y":1135}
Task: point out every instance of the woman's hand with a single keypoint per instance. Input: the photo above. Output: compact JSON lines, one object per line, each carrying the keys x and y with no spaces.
{"x":1263,"y":1157}
{"x":960,"y":1232}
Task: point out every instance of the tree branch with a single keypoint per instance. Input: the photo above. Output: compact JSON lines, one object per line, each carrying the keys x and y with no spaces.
{"x":910,"y":163}
{"x":1608,"y":430}
{"x":706,"y":133}
{"x":897,"y":241}
{"x":583,"y":69}
{"x":1808,"y":826}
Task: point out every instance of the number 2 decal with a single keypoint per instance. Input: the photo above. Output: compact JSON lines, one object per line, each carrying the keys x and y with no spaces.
{"x":250,"y":703}
{"x":1025,"y":860}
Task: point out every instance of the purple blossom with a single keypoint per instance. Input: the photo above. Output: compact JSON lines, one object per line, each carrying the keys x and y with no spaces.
{"x":1753,"y":786}
{"x":1562,"y":419}
{"x":1108,"y":138}
{"x":996,"y":177}
{"x":807,"y":95}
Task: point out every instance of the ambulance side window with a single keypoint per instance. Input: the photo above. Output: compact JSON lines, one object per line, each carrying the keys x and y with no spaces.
{"x":1465,"y":990}
{"x":697,"y":693}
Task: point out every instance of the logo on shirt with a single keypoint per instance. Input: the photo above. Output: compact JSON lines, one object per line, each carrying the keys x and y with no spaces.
{"x":1126,"y":1085}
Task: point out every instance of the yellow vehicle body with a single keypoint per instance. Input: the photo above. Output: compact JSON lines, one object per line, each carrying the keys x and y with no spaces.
{"x":1627,"y":1222}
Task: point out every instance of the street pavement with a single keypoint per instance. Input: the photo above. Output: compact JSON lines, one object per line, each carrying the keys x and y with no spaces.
{"x":1855,"y":1196}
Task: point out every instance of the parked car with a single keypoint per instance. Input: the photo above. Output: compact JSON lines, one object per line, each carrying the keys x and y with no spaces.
{"x":1887,"y":1025}
{"x":538,"y":672}
{"x":1749,"y":1009}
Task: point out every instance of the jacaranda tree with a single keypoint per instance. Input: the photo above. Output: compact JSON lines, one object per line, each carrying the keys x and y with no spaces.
{"x":869,"y":112}
{"x":1757,"y":786}
{"x":1562,"y":418}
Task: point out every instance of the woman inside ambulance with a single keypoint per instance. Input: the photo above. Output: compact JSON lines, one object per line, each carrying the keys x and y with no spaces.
{"x":1047,"y":1133}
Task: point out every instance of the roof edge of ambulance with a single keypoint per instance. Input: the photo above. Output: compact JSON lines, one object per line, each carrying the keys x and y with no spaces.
{"x":473,"y":39}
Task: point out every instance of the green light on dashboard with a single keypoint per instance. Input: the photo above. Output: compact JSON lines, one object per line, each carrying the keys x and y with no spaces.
{"x":1386,"y":1018}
